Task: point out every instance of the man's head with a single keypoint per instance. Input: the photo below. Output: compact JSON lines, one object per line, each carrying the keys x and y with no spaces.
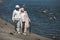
{"x":17,"y":7}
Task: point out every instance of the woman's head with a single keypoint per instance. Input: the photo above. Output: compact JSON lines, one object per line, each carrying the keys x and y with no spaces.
{"x":22,"y":9}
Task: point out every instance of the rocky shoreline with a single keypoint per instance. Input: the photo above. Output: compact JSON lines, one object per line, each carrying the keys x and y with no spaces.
{"x":7,"y":32}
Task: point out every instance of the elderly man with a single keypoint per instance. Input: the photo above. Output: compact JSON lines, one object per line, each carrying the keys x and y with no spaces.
{"x":16,"y":18}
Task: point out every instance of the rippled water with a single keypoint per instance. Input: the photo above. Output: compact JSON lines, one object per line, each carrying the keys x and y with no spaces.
{"x":40,"y":22}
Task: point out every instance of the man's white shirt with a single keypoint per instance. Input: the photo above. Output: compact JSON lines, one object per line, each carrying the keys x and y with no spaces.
{"x":16,"y":15}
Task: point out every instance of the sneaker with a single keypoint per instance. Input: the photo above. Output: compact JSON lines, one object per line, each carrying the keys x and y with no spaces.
{"x":18,"y":32}
{"x":24,"y":33}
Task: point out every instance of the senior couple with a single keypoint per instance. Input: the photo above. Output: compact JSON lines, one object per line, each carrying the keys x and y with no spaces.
{"x":21,"y":20}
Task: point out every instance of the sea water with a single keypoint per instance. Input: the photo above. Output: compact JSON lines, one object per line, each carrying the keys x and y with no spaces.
{"x":40,"y":23}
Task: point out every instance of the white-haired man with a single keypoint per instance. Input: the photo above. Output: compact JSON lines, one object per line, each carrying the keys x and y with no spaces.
{"x":16,"y":18}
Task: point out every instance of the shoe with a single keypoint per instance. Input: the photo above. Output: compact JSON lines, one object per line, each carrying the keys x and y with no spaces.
{"x":18,"y":32}
{"x":24,"y":33}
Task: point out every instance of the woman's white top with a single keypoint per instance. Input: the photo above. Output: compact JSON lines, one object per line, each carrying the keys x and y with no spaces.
{"x":22,"y":15}
{"x":25,"y":18}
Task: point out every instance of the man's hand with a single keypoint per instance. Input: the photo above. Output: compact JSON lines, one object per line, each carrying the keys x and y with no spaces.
{"x":13,"y":19}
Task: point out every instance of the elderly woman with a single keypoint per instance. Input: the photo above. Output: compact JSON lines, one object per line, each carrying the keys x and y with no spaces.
{"x":24,"y":21}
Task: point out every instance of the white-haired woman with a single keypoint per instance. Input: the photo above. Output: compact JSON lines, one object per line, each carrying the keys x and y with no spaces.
{"x":24,"y":21}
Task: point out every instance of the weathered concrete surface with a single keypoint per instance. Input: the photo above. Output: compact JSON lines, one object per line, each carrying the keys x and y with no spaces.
{"x":5,"y":29}
{"x":1,"y":1}
{"x":7,"y":32}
